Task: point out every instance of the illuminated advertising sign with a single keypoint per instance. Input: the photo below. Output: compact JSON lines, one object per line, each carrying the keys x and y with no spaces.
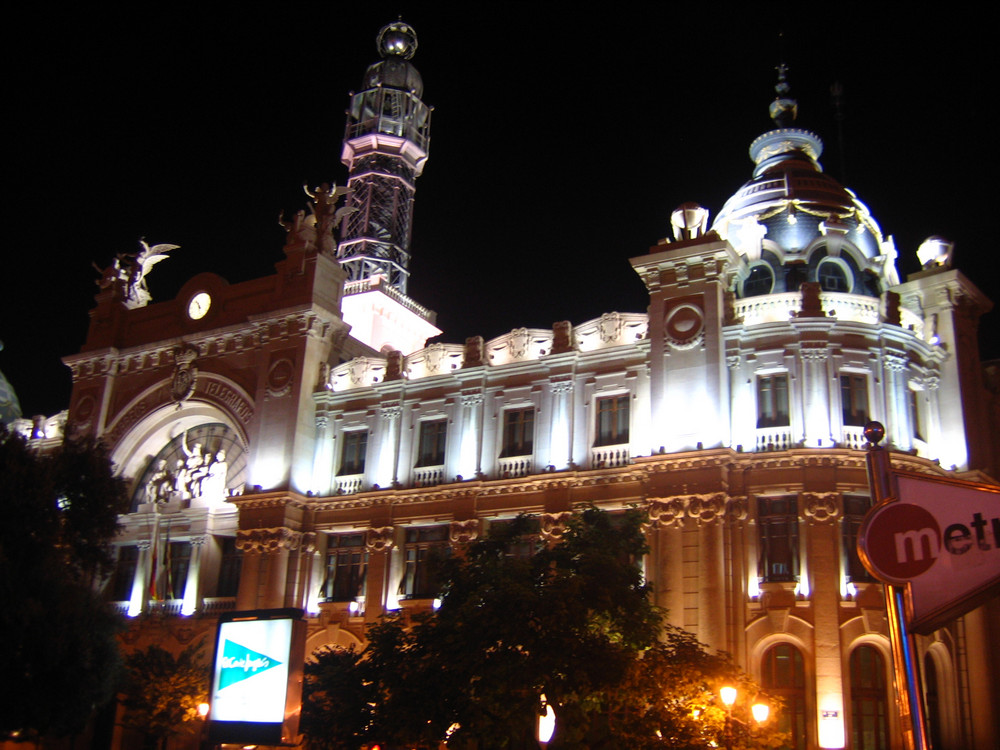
{"x":940,"y":539}
{"x":257,"y":677}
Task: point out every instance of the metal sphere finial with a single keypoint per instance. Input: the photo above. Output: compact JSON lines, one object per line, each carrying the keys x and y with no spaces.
{"x":874,"y":432}
{"x":397,"y":39}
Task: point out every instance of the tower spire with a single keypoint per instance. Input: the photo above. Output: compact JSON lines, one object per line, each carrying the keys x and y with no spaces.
{"x":385,"y":148}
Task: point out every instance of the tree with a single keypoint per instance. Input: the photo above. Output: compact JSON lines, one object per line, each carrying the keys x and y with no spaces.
{"x":59,"y":638}
{"x":570,"y":625}
{"x":163,"y":693}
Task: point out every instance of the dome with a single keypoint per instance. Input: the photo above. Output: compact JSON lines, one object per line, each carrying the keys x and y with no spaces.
{"x":793,"y":223}
{"x":397,"y":43}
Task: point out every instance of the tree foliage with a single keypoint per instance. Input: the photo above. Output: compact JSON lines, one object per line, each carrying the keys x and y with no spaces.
{"x":162,"y":692}
{"x":59,"y":638}
{"x":571,"y":624}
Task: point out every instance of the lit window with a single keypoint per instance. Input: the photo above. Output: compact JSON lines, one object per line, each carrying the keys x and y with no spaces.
{"x":869,"y":700}
{"x":612,"y":420}
{"x":431,"y":446}
{"x":783,"y":675}
{"x":854,"y":399}
{"x":352,"y":457}
{"x":518,"y":432}
{"x":855,"y":509}
{"x":421,"y":550}
{"x":772,"y":401}
{"x":832,"y":277}
{"x":778,"y":524}
{"x":346,"y":568}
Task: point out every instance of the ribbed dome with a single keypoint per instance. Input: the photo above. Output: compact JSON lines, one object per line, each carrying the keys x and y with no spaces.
{"x":793,"y":223}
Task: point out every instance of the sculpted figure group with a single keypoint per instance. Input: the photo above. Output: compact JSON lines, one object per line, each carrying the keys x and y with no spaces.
{"x":202,"y":474}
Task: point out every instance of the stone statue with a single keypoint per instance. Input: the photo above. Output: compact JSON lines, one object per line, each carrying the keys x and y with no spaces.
{"x":213,"y":483}
{"x":126,"y":276}
{"x":325,"y":214}
{"x":301,"y":231}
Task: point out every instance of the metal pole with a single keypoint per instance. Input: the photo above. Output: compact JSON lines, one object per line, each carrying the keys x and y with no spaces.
{"x":906,"y":675}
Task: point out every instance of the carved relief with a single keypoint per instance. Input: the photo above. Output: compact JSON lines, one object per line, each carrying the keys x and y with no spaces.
{"x":562,"y":337}
{"x":668,"y":512}
{"x":474,"y":352}
{"x":609,"y":327}
{"x":554,"y":525}
{"x":185,"y":374}
{"x":706,"y":508}
{"x":463,"y":532}
{"x":280,"y":377}
{"x":684,"y":327}
{"x":736,"y":509}
{"x":380,"y":539}
{"x":821,"y":507}
{"x":266,"y":541}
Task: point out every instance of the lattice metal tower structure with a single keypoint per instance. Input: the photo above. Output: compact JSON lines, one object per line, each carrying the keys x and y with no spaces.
{"x":385,"y":148}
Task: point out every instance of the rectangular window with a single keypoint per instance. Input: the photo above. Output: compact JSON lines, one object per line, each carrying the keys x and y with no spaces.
{"x":772,"y":401}
{"x":352,"y":457}
{"x":229,"y":571}
{"x":346,"y":568}
{"x":612,"y":420}
{"x":421,"y":550}
{"x":179,"y":561}
{"x":854,"y":399}
{"x":855,"y":508}
{"x":518,"y":432}
{"x":121,"y":580}
{"x":528,"y":543}
{"x":778,"y":525}
{"x":431,"y":445}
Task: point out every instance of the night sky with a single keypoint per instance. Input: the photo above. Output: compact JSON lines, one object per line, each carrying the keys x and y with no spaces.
{"x":560,"y":142}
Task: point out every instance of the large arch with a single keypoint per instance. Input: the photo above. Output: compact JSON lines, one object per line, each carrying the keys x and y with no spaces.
{"x":150,"y":434}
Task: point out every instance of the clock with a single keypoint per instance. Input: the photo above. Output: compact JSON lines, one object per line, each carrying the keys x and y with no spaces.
{"x":198,"y":306}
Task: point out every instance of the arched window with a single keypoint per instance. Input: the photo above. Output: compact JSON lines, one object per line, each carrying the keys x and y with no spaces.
{"x":833,"y":276}
{"x":783,"y":674}
{"x":932,"y":699}
{"x":869,"y":700}
{"x":760,"y":281}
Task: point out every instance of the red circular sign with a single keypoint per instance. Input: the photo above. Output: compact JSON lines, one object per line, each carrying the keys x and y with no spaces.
{"x":902,"y":541}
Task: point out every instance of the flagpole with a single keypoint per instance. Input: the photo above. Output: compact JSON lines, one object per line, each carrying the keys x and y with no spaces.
{"x":905,"y":666}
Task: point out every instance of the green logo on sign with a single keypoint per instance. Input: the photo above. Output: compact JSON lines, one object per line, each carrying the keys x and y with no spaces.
{"x":240,"y":663}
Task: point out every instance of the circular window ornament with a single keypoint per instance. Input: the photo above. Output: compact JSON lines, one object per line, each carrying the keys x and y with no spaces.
{"x":199,"y":305}
{"x":685,"y":326}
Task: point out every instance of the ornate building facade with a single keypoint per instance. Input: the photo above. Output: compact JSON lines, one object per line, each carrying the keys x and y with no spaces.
{"x":292,"y":441}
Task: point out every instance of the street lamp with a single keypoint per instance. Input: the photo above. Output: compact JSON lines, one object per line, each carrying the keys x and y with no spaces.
{"x":758,"y":710}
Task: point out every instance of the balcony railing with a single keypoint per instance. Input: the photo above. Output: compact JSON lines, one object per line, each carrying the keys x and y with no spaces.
{"x":610,"y":456}
{"x":515,"y":466}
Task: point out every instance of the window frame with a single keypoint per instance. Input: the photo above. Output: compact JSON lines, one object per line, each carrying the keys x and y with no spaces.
{"x":346,"y":568}
{"x":853,"y":385}
{"x":422,"y":546}
{"x":616,"y":434}
{"x":353,"y":452}
{"x":432,"y":442}
{"x":518,"y":437}
{"x":778,"y":539}
{"x":772,"y":415}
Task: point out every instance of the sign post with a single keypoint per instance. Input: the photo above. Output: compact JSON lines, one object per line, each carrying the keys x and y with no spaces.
{"x":935,"y":544}
{"x":904,"y":660}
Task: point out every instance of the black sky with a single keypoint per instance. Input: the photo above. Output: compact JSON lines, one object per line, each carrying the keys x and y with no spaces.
{"x":561,"y":140}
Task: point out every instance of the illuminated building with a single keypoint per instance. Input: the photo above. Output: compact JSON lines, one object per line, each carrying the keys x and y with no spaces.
{"x":297,"y":427}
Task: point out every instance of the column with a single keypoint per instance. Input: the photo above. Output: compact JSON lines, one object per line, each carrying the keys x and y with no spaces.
{"x":192,"y":586}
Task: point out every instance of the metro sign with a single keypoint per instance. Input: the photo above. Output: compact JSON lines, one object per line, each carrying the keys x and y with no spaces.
{"x":940,"y":539}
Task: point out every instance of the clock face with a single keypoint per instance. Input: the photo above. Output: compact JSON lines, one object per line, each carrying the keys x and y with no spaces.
{"x":198,"y":306}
